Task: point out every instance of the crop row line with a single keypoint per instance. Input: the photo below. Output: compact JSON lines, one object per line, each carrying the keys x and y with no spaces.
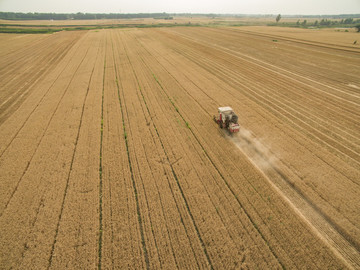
{"x":17,"y":86}
{"x":27,"y":68}
{"x":137,"y":166}
{"x":71,"y":165}
{"x":172,"y":170}
{"x":131,"y":171}
{"x":43,"y":134}
{"x":203,"y":149}
{"x":101,"y":167}
{"x":304,"y":41}
{"x":37,"y":105}
{"x":36,"y":52}
{"x":280,"y":71}
{"x":287,"y":51}
{"x":20,"y":52}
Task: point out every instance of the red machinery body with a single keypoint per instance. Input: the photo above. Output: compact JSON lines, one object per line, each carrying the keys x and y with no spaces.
{"x":227,"y":119}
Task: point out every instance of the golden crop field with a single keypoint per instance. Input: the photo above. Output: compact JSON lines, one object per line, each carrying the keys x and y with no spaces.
{"x":110,"y":158}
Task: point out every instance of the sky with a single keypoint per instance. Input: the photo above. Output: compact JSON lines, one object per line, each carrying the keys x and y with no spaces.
{"x":285,"y":7}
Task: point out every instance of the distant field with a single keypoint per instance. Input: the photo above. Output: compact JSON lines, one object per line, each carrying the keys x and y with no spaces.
{"x":204,"y":20}
{"x":326,"y":36}
{"x":110,"y":158}
{"x":262,"y":20}
{"x":50,"y":26}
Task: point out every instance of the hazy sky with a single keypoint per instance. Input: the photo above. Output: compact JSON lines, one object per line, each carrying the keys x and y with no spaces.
{"x":290,"y":7}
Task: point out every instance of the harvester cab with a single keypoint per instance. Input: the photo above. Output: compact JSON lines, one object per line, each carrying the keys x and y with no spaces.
{"x":227,"y":119}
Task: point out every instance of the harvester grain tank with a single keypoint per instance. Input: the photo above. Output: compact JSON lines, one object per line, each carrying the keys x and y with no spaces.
{"x":227,"y":119}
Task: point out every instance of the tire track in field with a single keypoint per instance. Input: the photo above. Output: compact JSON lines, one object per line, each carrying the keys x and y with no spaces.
{"x":43,"y":134}
{"x":142,"y":80}
{"x":145,"y":104}
{"x":102,"y":182}
{"x":78,"y":234}
{"x":106,"y":63}
{"x":71,"y":164}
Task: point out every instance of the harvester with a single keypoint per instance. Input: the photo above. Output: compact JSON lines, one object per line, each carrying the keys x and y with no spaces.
{"x":227,"y":119}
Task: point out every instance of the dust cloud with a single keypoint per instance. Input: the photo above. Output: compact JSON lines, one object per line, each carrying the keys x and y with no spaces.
{"x":254,"y":149}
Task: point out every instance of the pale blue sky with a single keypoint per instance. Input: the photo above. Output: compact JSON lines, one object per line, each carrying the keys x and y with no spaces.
{"x":291,"y":7}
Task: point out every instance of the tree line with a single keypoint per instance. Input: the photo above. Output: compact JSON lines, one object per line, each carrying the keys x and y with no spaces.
{"x":344,"y":22}
{"x":78,"y":16}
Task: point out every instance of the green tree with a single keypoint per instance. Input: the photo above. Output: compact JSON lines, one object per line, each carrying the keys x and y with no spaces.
{"x":278,"y":17}
{"x":357,"y":27}
{"x":348,"y":20}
